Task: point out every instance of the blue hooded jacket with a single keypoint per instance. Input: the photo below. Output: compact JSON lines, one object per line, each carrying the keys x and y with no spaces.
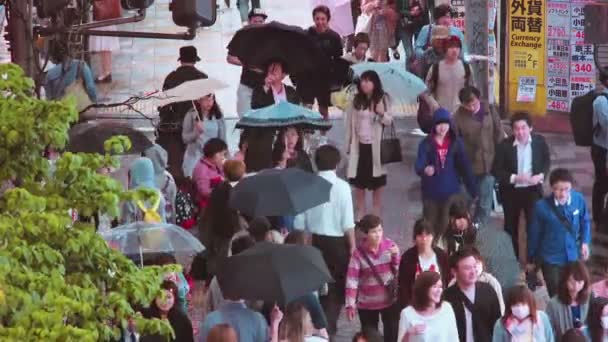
{"x":446,"y":180}
{"x":141,"y":174}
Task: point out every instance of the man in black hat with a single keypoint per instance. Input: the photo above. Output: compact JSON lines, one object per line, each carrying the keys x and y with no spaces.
{"x":251,"y":78}
{"x":172,"y":115}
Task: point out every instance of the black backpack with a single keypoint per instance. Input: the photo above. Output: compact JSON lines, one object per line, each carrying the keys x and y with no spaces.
{"x":581,"y":118}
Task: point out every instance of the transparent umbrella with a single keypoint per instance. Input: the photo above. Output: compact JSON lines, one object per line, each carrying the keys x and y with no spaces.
{"x":141,"y":238}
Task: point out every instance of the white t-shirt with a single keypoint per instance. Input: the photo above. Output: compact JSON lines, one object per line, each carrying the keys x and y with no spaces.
{"x":470,"y":293}
{"x":425,"y":264}
{"x":440,"y":326}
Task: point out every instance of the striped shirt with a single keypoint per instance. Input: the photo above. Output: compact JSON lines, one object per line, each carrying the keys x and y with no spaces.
{"x":362,"y":289}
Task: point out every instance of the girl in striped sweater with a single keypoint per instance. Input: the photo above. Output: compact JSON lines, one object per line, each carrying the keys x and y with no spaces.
{"x":371,"y":280}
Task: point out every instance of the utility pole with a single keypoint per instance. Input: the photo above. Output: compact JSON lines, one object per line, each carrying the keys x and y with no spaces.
{"x":477,"y":38}
{"x":20,"y":27}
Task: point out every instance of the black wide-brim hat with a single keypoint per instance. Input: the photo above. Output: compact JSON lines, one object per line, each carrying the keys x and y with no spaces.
{"x":188,"y":54}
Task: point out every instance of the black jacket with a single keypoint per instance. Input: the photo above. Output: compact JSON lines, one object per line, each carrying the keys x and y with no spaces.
{"x":175,"y":112}
{"x":485,"y":313}
{"x":505,"y":160}
{"x":261,"y":98}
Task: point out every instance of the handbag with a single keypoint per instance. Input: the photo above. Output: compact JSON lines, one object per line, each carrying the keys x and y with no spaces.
{"x":78,"y":92}
{"x":390,"y":147}
{"x":391,"y":286}
{"x":106,"y":9}
{"x":364,"y":23}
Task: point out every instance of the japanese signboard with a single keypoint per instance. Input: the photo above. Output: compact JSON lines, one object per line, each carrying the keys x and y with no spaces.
{"x":558,"y":56}
{"x":458,"y":10}
{"x":526,"y":90}
{"x":527,"y":51}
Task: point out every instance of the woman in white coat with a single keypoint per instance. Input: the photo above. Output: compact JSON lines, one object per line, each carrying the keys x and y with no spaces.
{"x":365,"y":120}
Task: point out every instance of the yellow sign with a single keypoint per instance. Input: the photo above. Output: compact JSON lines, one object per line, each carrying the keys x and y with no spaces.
{"x":527,"y":47}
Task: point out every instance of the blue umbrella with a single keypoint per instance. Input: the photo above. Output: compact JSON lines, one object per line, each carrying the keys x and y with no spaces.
{"x":403,"y":87}
{"x":283,"y":114}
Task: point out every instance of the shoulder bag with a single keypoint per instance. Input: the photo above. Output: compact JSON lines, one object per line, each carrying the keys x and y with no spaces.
{"x":563,"y":219}
{"x":390,"y":146}
{"x":391,"y":286}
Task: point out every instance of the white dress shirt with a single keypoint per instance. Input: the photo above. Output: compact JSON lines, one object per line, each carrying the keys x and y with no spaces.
{"x":280,"y":96}
{"x":332,"y":218}
{"x":524,"y":161}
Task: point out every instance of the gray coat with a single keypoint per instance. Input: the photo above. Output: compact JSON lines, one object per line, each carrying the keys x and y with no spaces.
{"x":560,"y":315}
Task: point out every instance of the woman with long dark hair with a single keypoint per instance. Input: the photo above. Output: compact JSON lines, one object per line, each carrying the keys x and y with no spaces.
{"x":167,"y":307}
{"x":597,"y":320}
{"x":293,"y":141}
{"x":203,"y":122}
{"x":365,"y":120}
{"x":569,"y":307}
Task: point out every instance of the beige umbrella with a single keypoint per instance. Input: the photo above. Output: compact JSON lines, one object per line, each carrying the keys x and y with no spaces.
{"x":189,"y":91}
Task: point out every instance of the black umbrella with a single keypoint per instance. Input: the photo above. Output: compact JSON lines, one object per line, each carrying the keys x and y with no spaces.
{"x":273,"y":273}
{"x":279,"y":192}
{"x":257,"y":44}
{"x":89,"y":137}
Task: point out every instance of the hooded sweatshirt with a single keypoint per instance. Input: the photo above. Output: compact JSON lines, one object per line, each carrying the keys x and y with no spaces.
{"x":141,"y":175}
{"x":450,"y":168}
{"x":164,"y":180}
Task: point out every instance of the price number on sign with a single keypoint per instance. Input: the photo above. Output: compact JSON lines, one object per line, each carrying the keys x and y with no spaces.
{"x":582,"y":67}
{"x":560,"y":106}
{"x":580,"y":34}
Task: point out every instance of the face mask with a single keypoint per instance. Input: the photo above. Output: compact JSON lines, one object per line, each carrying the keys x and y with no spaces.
{"x":520,"y":311}
{"x":605,"y":322}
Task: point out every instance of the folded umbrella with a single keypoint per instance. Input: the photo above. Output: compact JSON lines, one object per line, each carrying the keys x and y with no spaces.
{"x":255,"y":45}
{"x":273,"y":273}
{"x":279,"y":193}
{"x":190,"y":90}
{"x":283,"y":114}
{"x":141,"y":238}
{"x":402,"y":86}
{"x":89,"y":137}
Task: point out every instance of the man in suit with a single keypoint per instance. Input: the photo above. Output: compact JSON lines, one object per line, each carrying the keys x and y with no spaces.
{"x":258,"y":155}
{"x":476,"y":305}
{"x":560,"y":231}
{"x":520,"y":166}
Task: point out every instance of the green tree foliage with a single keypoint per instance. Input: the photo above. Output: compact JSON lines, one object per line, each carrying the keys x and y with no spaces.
{"x":60,"y":281}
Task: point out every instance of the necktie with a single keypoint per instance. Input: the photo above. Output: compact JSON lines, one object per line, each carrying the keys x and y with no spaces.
{"x":133,"y":337}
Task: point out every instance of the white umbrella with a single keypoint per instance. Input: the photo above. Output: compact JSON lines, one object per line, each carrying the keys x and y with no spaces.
{"x":189,"y":91}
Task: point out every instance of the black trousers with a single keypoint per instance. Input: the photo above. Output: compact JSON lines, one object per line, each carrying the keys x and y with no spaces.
{"x":600,"y":183}
{"x":390,"y":320}
{"x":516,"y":200}
{"x":336,"y":255}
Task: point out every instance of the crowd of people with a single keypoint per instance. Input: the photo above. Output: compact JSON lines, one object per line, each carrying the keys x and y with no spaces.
{"x":441,"y":289}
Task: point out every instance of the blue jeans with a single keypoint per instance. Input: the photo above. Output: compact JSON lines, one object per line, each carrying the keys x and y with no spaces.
{"x":486,"y":197}
{"x":243,"y":6}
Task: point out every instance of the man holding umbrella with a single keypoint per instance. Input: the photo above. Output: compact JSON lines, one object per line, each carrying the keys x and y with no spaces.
{"x":250,"y":77}
{"x":332,"y":227}
{"x":172,"y":115}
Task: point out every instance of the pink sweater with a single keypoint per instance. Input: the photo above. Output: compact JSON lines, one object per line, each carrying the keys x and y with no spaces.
{"x":362,"y":289}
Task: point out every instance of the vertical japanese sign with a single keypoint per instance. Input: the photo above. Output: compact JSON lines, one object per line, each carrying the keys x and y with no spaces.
{"x":458,"y":10}
{"x":558,"y":56}
{"x":582,"y":66}
{"x":527,"y":46}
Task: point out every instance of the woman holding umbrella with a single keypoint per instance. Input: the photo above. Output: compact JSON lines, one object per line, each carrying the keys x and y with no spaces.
{"x":202,"y":122}
{"x":365,"y":119}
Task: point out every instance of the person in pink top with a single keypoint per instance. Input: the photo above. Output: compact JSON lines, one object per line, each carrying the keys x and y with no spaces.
{"x":208,"y":172}
{"x":371,"y":280}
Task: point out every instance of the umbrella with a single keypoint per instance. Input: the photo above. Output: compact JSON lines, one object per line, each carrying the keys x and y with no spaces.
{"x":90,"y":136}
{"x":273,"y":273}
{"x":141,"y":238}
{"x":283,"y":114}
{"x":403,"y":87}
{"x":255,"y":45}
{"x":191,"y":90}
{"x":279,"y":192}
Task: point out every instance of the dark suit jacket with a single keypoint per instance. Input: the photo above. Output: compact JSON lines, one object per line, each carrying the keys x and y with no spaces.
{"x":261,"y":98}
{"x":505,"y":160}
{"x":407,"y":272}
{"x":486,"y":311}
